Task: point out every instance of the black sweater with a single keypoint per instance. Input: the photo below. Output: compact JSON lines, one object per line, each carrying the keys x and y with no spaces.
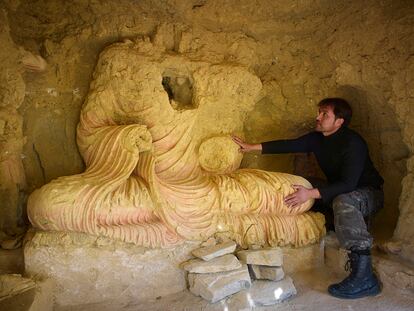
{"x":342,"y":156}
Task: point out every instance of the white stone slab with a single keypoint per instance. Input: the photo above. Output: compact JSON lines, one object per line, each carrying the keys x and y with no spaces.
{"x":227,"y":262}
{"x":208,"y":253}
{"x":267,"y":273}
{"x":216,"y":286}
{"x":264,"y":257}
{"x":266,"y":293}
{"x":87,"y":269}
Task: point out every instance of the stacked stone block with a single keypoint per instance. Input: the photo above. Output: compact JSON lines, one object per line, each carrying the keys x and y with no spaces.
{"x":255,"y":276}
{"x":270,"y":285}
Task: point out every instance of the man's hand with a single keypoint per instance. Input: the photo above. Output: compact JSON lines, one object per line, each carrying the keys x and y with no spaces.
{"x":245,"y":147}
{"x":301,"y":195}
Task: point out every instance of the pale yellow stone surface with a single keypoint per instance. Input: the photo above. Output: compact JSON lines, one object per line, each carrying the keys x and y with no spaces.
{"x":227,"y":262}
{"x":144,"y":182}
{"x":12,"y":93}
{"x":209,"y":252}
{"x":86,"y":269}
{"x":220,"y":155}
{"x":299,"y":51}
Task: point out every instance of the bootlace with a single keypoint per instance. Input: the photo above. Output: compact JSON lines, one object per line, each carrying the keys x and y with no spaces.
{"x":348,"y":266}
{"x":349,"y":263}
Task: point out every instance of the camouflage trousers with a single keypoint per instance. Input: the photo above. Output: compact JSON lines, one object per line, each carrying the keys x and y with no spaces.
{"x":349,"y":211}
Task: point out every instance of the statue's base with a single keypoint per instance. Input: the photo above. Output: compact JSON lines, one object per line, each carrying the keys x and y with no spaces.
{"x":87,"y":269}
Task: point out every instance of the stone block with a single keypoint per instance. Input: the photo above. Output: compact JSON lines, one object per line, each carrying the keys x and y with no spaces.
{"x":88,"y":269}
{"x":216,"y":286}
{"x":208,"y":253}
{"x":267,"y":273}
{"x":266,"y":293}
{"x":16,"y":292}
{"x":227,"y":262}
{"x":44,"y":296}
{"x":264,"y":257}
{"x":14,"y":284}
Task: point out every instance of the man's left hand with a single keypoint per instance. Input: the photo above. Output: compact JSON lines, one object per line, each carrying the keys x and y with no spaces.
{"x":301,"y":195}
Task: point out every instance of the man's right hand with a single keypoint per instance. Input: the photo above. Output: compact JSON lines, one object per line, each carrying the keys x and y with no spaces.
{"x":245,"y":147}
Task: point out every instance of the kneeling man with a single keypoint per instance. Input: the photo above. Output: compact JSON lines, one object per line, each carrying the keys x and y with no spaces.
{"x":353,"y":189}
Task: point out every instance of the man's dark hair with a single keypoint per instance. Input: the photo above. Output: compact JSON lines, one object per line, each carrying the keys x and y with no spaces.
{"x":341,"y":108}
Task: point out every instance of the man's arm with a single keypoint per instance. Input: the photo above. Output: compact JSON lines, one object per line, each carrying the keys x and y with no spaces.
{"x":301,"y":195}
{"x":245,"y":147}
{"x":301,"y":144}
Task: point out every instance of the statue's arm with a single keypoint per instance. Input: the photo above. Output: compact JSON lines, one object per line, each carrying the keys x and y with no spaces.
{"x":114,"y":150}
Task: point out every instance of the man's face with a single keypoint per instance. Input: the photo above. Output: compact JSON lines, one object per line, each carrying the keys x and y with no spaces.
{"x":326,"y":123}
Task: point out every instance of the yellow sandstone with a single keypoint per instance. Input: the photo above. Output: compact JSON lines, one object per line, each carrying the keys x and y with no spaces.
{"x":152,"y":175}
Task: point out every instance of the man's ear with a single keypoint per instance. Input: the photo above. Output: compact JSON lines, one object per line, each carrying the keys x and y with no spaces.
{"x":339,"y":122}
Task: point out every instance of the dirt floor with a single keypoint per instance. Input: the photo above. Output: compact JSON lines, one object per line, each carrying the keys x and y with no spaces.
{"x":312,"y":296}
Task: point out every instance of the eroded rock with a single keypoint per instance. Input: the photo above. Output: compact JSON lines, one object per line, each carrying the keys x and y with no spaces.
{"x":224,"y":263}
{"x":266,"y":293}
{"x":264,"y":257}
{"x":267,"y":273}
{"x":216,"y":286}
{"x":210,"y":252}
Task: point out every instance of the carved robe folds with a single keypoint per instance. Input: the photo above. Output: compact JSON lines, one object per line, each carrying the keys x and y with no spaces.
{"x":161,"y":167}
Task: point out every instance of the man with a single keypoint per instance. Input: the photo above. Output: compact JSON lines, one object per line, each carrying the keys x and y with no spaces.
{"x":353,"y":189}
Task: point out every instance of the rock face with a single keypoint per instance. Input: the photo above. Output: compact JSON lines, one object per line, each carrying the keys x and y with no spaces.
{"x":12,"y":93}
{"x":107,"y":270}
{"x":117,"y":271}
{"x":214,"y":287}
{"x":300,"y":53}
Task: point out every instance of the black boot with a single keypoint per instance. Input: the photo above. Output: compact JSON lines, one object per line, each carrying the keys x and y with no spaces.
{"x":361,"y":282}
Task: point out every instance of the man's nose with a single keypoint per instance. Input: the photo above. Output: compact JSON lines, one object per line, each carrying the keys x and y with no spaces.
{"x":318,"y":118}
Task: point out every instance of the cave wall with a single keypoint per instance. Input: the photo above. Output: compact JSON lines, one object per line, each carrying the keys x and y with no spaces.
{"x":12,"y":175}
{"x":302,"y":51}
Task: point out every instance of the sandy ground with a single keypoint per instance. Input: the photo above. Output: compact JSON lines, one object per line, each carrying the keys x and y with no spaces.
{"x":312,"y":296}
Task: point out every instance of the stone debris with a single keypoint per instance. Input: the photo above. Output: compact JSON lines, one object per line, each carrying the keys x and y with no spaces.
{"x":216,"y":286}
{"x":216,"y":275}
{"x":210,"y":242}
{"x":267,"y":273}
{"x":263,"y":257}
{"x":266,"y":293}
{"x":208,"y":253}
{"x":227,"y":262}
{"x":14,"y":284}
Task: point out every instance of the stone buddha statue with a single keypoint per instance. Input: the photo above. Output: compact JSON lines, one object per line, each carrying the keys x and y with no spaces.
{"x":161,"y":167}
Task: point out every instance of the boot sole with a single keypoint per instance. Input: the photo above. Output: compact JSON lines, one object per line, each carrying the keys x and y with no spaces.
{"x":373,"y":291}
